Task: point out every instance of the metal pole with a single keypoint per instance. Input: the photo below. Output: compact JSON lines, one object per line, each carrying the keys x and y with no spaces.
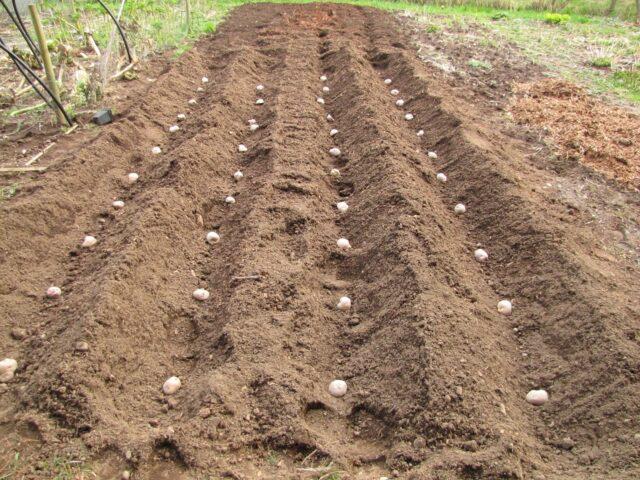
{"x":46,"y":59}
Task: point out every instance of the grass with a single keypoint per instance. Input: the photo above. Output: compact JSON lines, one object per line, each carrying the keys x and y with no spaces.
{"x":6,"y":192}
{"x":56,"y":468}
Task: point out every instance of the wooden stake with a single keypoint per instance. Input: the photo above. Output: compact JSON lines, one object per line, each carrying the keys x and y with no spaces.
{"x":46,"y":59}
{"x":188,"y":8}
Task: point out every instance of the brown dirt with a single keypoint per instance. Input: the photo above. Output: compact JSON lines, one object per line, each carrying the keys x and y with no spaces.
{"x":583,"y":128}
{"x":437,"y":378}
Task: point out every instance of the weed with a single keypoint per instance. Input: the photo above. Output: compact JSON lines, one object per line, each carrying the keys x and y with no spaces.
{"x":6,"y":193}
{"x":629,"y":80}
{"x":59,"y":468}
{"x":601,"y":62}
{"x":8,"y":471}
{"x":272,"y":458}
{"x":556,"y":18}
{"x":499,"y":16}
{"x":479,"y":64}
{"x":433,"y":28}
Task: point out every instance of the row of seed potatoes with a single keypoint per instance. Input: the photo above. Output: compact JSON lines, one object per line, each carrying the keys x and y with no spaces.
{"x":505,"y":307}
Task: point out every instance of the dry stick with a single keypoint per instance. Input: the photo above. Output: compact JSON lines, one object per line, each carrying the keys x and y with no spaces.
{"x":11,"y":170}
{"x":46,"y":59}
{"x":122,"y":72}
{"x":93,"y":44}
{"x":27,"y":109}
{"x":248,"y":277}
{"x":38,"y":156}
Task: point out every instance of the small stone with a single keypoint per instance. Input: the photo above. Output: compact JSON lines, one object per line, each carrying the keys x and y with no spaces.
{"x":154,"y":422}
{"x":419,"y":443}
{"x":353,"y":321}
{"x":18,"y":333}
{"x":204,"y":412}
{"x":126,"y":475}
{"x":459,"y":391}
{"x":470,"y":446}
{"x":82,"y":347}
{"x":566,"y":443}
{"x":172,"y":403}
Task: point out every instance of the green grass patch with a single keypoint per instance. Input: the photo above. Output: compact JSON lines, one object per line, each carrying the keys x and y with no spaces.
{"x":629,"y":81}
{"x":601,"y":62}
{"x":6,"y":192}
{"x":556,"y":18}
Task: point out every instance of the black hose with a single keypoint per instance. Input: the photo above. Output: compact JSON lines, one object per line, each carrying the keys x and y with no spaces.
{"x":25,"y":32}
{"x":20,"y":26}
{"x":124,"y":37}
{"x":22,"y":66}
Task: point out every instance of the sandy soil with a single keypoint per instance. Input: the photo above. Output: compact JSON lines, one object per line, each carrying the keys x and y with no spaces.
{"x":437,"y":377}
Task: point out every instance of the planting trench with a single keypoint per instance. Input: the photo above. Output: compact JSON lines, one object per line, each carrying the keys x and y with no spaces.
{"x":437,"y":377}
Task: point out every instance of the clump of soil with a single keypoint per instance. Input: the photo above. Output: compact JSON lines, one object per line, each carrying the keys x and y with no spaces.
{"x":583,"y":128}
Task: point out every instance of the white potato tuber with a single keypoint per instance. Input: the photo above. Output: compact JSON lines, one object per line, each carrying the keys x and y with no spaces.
{"x":338,"y":388}
{"x":408,"y":116}
{"x":182,"y":116}
{"x":481,"y":255}
{"x":156,"y":150}
{"x":260,"y":101}
{"x":54,"y":292}
{"x":344,"y":303}
{"x":335,"y":152}
{"x":238,"y":176}
{"x":325,"y":89}
{"x":8,"y":367}
{"x":537,"y":397}
{"x":118,"y":204}
{"x":260,"y":87}
{"x":133,"y":177}
{"x":199,"y":89}
{"x":323,"y":78}
{"x":253,"y":127}
{"x":171,"y":386}
{"x":213,"y":237}
{"x":505,"y":307}
{"x":333,"y":132}
{"x":230,"y":200}
{"x":334,"y":172}
{"x":342,"y":207}
{"x":193,"y":101}
{"x":420,"y":133}
{"x":432,"y":155}
{"x":252,"y":121}
{"x":320,"y":100}
{"x":205,"y":80}
{"x":242,"y":148}
{"x":201,"y":294}
{"x":441,"y":177}
{"x":387,"y":81}
{"x":343,"y":244}
{"x":395,"y":92}
{"x":329,"y":117}
{"x":460,"y":208}
{"x":400,"y":102}
{"x":174,"y":128}
{"x":89,"y":241}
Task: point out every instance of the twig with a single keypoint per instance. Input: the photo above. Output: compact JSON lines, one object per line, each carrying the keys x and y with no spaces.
{"x":247,"y":277}
{"x":39,"y":155}
{"x":10,"y":170}
{"x":72,"y":129}
{"x":92,"y":43}
{"x":122,"y":72}
{"x":305,"y":459}
{"x":27,"y":109}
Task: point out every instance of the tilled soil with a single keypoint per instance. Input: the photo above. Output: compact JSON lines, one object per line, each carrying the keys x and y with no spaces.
{"x":437,"y":377}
